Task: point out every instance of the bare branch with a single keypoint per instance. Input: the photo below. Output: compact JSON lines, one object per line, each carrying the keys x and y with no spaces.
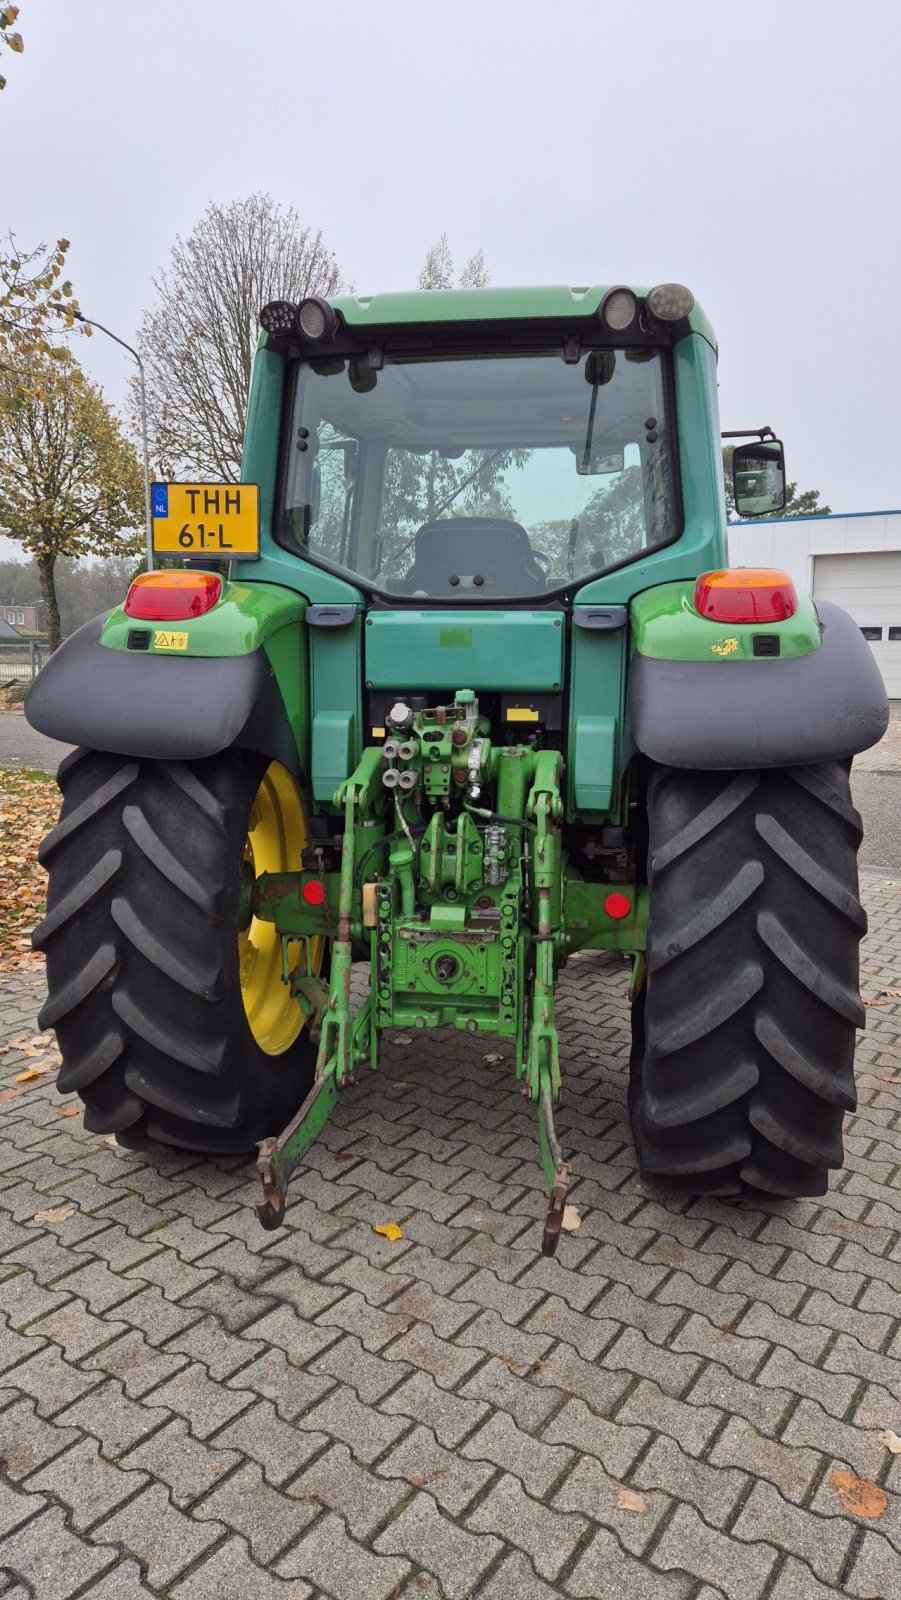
{"x":199,"y":338}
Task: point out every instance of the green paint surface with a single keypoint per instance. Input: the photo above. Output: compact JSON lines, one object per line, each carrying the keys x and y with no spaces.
{"x":550,"y":302}
{"x":337,"y":714}
{"x":492,"y":649}
{"x":666,"y":626}
{"x":245,"y":618}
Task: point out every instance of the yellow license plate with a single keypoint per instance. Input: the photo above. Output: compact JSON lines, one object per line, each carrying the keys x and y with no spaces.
{"x":218,"y":520}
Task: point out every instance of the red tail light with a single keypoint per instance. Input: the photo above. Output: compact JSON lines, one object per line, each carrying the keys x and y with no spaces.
{"x":617,"y":906}
{"x":172,"y":596}
{"x":746,"y":594}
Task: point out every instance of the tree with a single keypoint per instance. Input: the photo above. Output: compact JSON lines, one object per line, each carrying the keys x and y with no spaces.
{"x":437,"y":270}
{"x":35,"y":300}
{"x":12,"y":41}
{"x":198,"y":340}
{"x":70,"y":483}
{"x":804,"y":503}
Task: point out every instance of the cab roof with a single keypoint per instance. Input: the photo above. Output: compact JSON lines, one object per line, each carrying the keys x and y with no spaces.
{"x":547,"y":303}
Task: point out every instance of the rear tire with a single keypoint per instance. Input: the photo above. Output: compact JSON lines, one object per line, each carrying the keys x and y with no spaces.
{"x":144,"y":970}
{"x":743,"y":1039}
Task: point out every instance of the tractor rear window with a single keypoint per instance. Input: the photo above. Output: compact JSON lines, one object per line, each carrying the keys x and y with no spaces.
{"x":479,"y":477}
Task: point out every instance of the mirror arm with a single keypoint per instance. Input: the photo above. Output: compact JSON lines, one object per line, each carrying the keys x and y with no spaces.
{"x":749,"y":433}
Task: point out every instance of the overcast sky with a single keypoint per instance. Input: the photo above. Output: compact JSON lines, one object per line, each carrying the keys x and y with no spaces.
{"x":753,"y":155}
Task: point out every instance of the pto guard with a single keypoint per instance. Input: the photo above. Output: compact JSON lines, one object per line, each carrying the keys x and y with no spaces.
{"x":159,"y":707}
{"x":729,"y":712}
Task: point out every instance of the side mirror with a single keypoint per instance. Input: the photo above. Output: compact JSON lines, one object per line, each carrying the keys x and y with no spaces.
{"x":758,"y":478}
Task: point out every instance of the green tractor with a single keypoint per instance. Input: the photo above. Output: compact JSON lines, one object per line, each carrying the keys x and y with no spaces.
{"x":478,"y":692}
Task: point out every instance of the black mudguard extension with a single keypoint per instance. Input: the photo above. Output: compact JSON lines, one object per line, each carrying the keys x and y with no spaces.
{"x":164,"y":708}
{"x":767,"y":713}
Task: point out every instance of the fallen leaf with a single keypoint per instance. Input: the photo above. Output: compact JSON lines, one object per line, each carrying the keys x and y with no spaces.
{"x":526,"y":1369}
{"x":402,"y":1041}
{"x":56,"y":1214}
{"x":29,"y":805}
{"x":10,"y":1094}
{"x":493,"y":1060}
{"x":342,"y":1155}
{"x":68,"y":1111}
{"x":895,"y":993}
{"x":891,"y":1441}
{"x":110,"y":1138}
{"x":860,"y":1496}
{"x":876,"y":1002}
{"x":889,"y":1077}
{"x":628,"y":1500}
{"x":32,"y":1073}
{"x":571,"y":1219}
{"x":388,"y":1230}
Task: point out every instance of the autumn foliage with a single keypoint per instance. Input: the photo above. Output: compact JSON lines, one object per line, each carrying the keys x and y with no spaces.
{"x":29,"y":803}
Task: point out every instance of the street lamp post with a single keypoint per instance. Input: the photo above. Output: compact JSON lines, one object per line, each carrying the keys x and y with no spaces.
{"x":147,"y":517}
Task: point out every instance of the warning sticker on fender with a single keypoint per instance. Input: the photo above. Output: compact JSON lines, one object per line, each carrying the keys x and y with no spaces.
{"x":169,"y":641}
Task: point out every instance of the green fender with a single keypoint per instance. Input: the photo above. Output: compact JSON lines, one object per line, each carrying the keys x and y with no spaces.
{"x":236,"y":676}
{"x":705,"y":694}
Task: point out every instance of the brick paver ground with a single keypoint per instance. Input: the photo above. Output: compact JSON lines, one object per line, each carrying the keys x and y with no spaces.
{"x":193,"y":1408}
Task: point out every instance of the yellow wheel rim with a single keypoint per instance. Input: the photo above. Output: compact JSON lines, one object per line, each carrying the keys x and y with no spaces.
{"x":276,"y":835}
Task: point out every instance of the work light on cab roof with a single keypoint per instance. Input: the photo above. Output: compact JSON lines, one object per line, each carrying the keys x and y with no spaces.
{"x":671,"y":302}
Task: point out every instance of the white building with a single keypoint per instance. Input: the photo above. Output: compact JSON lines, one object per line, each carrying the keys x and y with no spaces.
{"x":854,"y":561}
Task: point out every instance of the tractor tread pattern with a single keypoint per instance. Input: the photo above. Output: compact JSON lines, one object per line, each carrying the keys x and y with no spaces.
{"x":141,"y":943}
{"x":743,"y":1039}
{"x":78,"y":897}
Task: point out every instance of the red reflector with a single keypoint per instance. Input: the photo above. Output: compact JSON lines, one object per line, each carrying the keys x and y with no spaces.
{"x":313,"y":892}
{"x":746,"y":594}
{"x":172,"y":596}
{"x":617,"y":906}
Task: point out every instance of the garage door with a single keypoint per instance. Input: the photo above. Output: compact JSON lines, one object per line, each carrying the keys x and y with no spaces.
{"x":869,"y":587}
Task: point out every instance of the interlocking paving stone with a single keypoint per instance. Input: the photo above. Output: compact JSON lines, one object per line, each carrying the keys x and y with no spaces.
{"x":268,"y":1519}
{"x":365,"y":1501}
{"x":88,"y":1486}
{"x":16,"y":1508}
{"x":537,"y":1464}
{"x":27,"y":1441}
{"x":604,"y":1568}
{"x":261,"y":1435}
{"x":823,"y":1542}
{"x":53,"y":1562}
{"x":424,"y":1464}
{"x":206,"y":1405}
{"x":230,"y":1573}
{"x":137,"y":1364}
{"x":451,"y":1416}
{"x":187,"y":1467}
{"x":329,"y":1556}
{"x":455,"y":1555}
{"x":112,"y":1418}
{"x":318,"y":1414}
{"x":741,"y":1570}
{"x":591,"y":1491}
{"x":164,"y":1539}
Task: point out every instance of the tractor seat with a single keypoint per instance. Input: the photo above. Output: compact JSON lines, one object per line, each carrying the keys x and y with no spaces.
{"x":462,"y":548}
